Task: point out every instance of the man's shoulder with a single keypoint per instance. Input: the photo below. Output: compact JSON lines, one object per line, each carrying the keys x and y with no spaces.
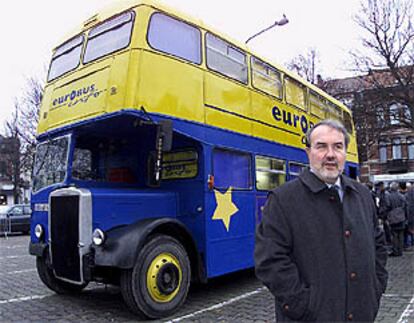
{"x":350,"y":182}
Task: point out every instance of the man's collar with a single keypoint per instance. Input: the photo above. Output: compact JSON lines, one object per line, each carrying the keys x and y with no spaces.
{"x":316,"y":185}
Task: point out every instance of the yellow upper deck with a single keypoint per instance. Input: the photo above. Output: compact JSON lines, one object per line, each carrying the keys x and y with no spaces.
{"x":140,"y":75}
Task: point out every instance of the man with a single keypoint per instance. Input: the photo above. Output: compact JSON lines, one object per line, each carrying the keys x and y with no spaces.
{"x":396,"y":216}
{"x":323,"y":259}
{"x":409,"y":235}
{"x":382,"y":211}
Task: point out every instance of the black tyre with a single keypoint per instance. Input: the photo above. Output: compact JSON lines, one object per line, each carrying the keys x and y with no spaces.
{"x":158,"y":283}
{"x":48,"y":278}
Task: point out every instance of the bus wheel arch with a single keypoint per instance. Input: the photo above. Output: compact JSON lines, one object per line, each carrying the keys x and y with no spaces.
{"x":179,"y":232}
{"x":158,"y":283}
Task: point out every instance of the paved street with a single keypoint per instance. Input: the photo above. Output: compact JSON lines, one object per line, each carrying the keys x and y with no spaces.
{"x":234,"y":298}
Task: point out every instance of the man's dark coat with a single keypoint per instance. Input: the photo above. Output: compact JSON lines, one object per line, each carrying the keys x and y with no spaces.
{"x":323,"y":260}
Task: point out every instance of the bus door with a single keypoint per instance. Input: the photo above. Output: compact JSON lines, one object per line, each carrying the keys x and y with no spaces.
{"x":230,"y":222}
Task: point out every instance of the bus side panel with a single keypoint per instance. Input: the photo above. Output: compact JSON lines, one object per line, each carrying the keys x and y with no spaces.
{"x":227,"y":104}
{"x":170,"y":87}
{"x":229,"y":248}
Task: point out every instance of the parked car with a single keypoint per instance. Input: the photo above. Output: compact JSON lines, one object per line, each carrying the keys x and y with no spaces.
{"x":15,"y":218}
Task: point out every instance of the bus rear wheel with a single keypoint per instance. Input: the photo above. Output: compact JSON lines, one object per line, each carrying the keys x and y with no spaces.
{"x":158,"y":283}
{"x":48,"y":278}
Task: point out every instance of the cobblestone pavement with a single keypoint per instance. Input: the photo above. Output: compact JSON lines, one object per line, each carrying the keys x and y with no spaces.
{"x":233,"y":298}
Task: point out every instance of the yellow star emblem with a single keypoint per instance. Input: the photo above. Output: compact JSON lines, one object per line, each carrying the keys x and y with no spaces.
{"x":225,"y":207}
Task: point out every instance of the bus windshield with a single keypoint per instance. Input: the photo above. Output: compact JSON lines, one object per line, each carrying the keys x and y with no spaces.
{"x":50,"y":163}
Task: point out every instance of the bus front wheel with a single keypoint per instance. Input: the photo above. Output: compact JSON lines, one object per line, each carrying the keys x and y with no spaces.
{"x":158,"y":283}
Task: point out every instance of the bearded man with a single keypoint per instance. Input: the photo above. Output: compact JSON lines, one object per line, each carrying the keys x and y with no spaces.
{"x":318,"y":248}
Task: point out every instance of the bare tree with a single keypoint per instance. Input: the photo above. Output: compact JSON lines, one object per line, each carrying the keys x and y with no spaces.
{"x":22,"y":125}
{"x":387,"y":55}
{"x":306,"y":65}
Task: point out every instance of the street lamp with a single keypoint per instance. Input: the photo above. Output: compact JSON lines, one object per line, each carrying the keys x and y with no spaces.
{"x":280,"y":22}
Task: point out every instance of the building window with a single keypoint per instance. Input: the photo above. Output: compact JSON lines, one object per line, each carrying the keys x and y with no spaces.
{"x":406,"y":113}
{"x":394,"y":114}
{"x":379,"y":111}
{"x":396,"y":148}
{"x":410,"y":147}
{"x":383,"y":151}
{"x":3,"y":169}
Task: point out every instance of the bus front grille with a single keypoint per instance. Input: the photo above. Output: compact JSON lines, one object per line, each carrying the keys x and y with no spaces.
{"x":64,"y":235}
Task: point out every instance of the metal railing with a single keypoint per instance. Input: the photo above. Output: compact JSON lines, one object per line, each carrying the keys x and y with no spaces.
{"x":5,"y":226}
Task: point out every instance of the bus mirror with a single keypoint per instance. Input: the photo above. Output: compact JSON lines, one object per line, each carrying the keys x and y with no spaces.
{"x":165,"y":130}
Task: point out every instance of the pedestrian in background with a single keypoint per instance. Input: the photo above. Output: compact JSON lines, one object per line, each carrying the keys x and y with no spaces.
{"x":409,"y":230}
{"x":383,"y":203}
{"x":318,"y":248}
{"x":374,"y":195}
{"x":396,"y":216}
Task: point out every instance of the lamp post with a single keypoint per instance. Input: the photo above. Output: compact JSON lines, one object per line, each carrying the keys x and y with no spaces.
{"x":280,"y":22}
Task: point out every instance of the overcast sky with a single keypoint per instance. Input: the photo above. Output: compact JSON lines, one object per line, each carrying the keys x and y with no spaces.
{"x":30,"y":29}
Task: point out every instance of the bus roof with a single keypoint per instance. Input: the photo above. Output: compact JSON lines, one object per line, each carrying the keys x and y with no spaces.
{"x":120,"y":6}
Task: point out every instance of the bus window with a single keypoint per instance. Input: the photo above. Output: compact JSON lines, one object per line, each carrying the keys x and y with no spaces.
{"x":348,"y":122}
{"x":334,"y":112}
{"x":108,"y":37}
{"x":226,"y":59}
{"x":317,"y":105}
{"x":104,"y":159}
{"x":231,"y":168}
{"x":66,"y":58}
{"x":266,"y":78}
{"x":295,"y":169}
{"x":175,"y":37}
{"x":179,"y":164}
{"x":270,"y":173}
{"x":295,"y":93}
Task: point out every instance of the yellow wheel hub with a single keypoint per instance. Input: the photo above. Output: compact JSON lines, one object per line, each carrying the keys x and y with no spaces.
{"x":164,"y":278}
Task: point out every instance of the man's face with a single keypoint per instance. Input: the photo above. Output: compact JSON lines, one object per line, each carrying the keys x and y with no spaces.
{"x":327,"y":153}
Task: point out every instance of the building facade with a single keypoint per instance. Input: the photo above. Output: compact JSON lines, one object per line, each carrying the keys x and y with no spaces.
{"x":9,"y":171}
{"x":384,"y":124}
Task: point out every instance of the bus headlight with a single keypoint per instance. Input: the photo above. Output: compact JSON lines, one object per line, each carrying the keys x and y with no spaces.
{"x":98,"y":237}
{"x":38,"y":231}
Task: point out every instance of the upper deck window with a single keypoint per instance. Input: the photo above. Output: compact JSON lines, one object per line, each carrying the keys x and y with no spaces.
{"x":348,"y":122}
{"x":334,"y":112}
{"x":226,"y":59}
{"x":295,"y":93}
{"x":66,"y":58}
{"x":108,"y":37}
{"x":175,"y":37}
{"x":317,"y":105}
{"x":266,"y":78}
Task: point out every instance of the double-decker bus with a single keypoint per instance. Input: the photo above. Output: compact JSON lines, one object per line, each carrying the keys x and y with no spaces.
{"x":158,"y":141}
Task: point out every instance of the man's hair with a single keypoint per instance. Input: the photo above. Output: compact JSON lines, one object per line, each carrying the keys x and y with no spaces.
{"x":334,"y":124}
